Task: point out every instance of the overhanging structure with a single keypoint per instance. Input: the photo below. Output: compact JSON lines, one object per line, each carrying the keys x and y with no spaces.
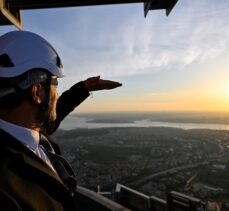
{"x":10,"y":9}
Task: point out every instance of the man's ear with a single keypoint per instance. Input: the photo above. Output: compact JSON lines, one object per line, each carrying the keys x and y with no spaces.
{"x":37,"y":93}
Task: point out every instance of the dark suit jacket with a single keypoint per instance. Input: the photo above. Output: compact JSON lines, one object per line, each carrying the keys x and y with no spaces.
{"x":26,"y":182}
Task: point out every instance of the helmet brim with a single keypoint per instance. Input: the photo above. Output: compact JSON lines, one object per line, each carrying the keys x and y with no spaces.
{"x":8,"y":72}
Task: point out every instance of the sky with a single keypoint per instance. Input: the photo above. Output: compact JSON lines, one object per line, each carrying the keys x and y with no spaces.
{"x":177,"y":63}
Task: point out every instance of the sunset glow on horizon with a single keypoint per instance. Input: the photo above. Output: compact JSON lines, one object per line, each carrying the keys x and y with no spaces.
{"x":174,"y":63}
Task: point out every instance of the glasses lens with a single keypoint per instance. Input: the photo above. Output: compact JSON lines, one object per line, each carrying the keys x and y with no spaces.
{"x":54,"y":81}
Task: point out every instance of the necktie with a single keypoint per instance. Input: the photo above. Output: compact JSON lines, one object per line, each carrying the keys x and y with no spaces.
{"x":41,"y":152}
{"x":60,"y":164}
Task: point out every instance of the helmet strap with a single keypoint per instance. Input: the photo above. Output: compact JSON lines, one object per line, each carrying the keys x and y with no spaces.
{"x":46,"y":104}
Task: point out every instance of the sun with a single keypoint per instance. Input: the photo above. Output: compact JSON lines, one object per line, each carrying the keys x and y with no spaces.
{"x":225,"y":92}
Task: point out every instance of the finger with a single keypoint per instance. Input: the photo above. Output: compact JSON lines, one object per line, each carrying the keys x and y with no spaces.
{"x":113,"y":86}
{"x":106,"y":84}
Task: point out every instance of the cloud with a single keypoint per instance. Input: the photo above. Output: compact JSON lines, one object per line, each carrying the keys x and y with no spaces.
{"x":133,"y":46}
{"x":118,"y":41}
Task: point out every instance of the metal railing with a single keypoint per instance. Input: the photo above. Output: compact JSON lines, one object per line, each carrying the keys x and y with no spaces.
{"x":127,"y":199}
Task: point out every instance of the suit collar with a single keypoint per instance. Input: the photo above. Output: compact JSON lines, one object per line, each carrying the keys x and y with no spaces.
{"x":29,"y":158}
{"x":26,"y":136}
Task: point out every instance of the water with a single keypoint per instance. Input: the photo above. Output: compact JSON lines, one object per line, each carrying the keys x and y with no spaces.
{"x":74,"y":122}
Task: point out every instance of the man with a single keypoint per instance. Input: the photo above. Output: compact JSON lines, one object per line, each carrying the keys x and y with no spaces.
{"x":34,"y":176}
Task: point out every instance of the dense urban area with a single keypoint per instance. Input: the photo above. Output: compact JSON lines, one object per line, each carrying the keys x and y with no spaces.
{"x":153,"y":160}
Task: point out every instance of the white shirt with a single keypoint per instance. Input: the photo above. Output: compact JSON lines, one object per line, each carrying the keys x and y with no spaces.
{"x":28,"y":137}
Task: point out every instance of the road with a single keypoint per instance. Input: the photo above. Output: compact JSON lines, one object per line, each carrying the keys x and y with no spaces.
{"x":168,"y":171}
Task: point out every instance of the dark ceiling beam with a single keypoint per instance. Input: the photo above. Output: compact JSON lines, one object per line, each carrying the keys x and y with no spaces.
{"x":39,"y":4}
{"x":10,"y":9}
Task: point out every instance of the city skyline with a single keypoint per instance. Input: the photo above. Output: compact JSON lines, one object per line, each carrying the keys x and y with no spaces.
{"x":179,"y":62}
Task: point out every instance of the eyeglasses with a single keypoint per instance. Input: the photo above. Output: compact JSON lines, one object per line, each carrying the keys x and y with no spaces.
{"x":54,"y":81}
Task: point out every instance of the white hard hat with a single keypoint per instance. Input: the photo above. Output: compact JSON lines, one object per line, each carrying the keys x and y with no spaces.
{"x":24,"y":51}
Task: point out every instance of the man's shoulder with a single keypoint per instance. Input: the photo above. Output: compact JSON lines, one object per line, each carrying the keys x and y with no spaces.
{"x":7,"y":141}
{"x":10,"y":149}
{"x":13,"y":151}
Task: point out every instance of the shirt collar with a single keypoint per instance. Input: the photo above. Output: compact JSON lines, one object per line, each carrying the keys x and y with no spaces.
{"x":26,"y":136}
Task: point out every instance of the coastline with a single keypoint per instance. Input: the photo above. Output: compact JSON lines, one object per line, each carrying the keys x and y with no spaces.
{"x":77,"y":122}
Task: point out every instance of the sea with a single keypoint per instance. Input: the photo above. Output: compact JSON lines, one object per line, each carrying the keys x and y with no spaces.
{"x":183,"y":120}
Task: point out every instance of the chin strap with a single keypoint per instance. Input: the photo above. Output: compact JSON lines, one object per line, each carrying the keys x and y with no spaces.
{"x":45,"y":105}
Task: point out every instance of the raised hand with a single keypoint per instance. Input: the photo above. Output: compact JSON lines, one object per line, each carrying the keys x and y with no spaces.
{"x":96,"y":84}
